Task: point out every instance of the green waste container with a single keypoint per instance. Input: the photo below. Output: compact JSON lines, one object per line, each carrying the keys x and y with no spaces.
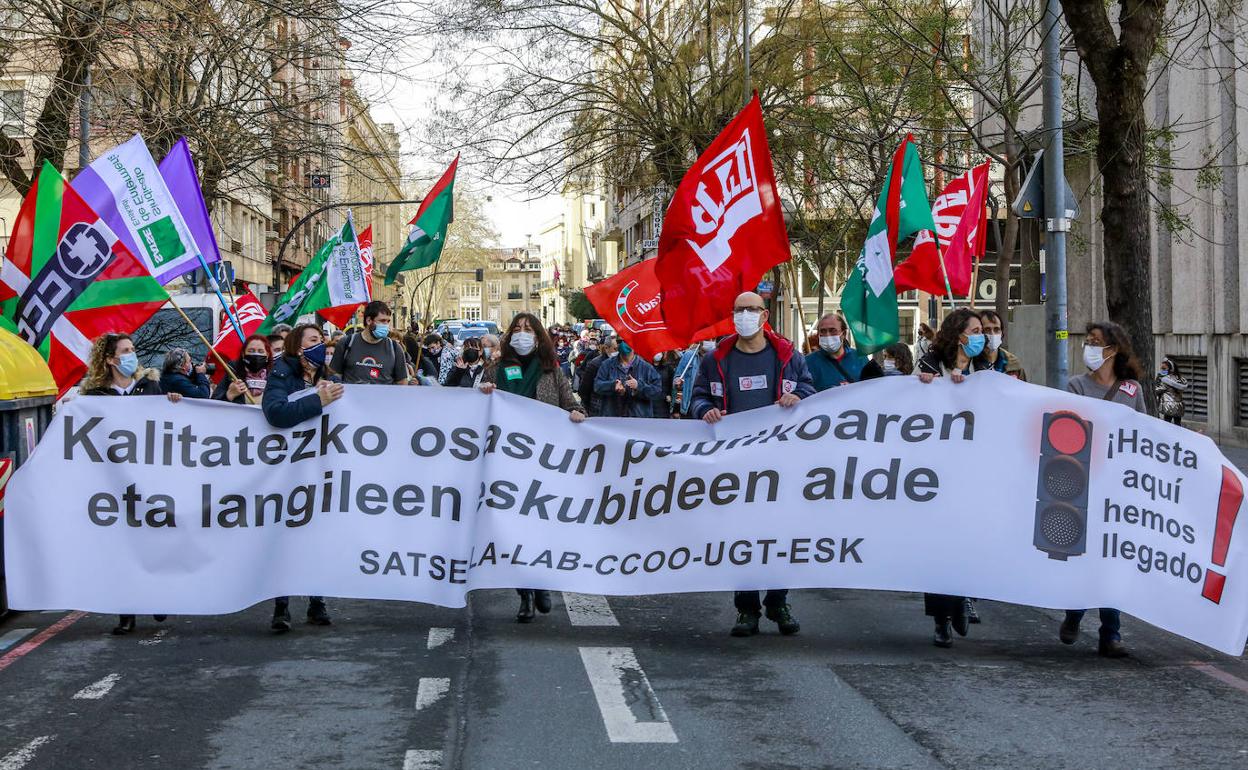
{"x":27,"y":392}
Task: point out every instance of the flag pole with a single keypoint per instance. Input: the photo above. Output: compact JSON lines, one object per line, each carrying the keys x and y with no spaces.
{"x":216,"y":287}
{"x":433,"y":283}
{"x":229,"y":371}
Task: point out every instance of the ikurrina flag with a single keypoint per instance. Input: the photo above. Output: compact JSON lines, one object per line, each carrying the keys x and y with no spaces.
{"x":68,"y":279}
{"x":428,"y":234}
{"x":334,"y":277}
{"x":869,"y":299}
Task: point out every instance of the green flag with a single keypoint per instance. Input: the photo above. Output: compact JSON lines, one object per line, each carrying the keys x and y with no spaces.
{"x":334,"y":277}
{"x":869,"y":298}
{"x":428,"y":235}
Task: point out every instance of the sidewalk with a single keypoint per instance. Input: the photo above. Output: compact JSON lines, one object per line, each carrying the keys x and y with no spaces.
{"x":1237,"y":455}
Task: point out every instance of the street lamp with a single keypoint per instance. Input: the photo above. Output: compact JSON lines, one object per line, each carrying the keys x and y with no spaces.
{"x":281,"y":250}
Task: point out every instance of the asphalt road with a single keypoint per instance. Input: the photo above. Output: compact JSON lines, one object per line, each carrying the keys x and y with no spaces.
{"x":638,"y":682}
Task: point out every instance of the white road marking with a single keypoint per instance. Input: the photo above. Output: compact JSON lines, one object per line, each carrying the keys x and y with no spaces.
{"x":18,"y":759}
{"x":589,"y":610}
{"x":439,"y":637}
{"x":418,"y":759}
{"x":13,"y":637}
{"x":99,"y":689}
{"x":623,"y":691}
{"x":157,"y":638}
{"x":430,"y":691}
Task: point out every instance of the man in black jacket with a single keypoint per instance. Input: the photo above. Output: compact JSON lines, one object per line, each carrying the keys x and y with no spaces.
{"x":589,"y":400}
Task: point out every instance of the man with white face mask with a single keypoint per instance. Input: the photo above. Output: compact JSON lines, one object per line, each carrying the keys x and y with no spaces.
{"x":835,"y":363}
{"x":751,"y":369}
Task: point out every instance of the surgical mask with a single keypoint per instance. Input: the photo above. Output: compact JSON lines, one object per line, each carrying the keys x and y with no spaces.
{"x":381,"y":331}
{"x":889,"y":366}
{"x":1094,"y":357}
{"x":994,"y":341}
{"x":523,"y":342}
{"x":487,"y":352}
{"x":254,"y":362}
{"x":747,"y":324}
{"x":974,"y":345}
{"x":626,"y":349}
{"x":708,"y":346}
{"x":471,"y":355}
{"x":830,"y":344}
{"x":128,"y":364}
{"x":315,"y":355}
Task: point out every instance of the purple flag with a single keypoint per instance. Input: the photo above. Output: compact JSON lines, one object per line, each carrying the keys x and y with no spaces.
{"x":178,"y":171}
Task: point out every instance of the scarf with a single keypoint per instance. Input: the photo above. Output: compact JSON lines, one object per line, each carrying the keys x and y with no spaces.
{"x":520,"y":377}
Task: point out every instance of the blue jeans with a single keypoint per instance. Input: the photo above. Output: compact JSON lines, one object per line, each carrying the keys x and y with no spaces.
{"x":1111,"y":622}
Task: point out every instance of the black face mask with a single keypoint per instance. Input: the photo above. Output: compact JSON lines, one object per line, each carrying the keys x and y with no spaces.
{"x":471,"y":355}
{"x":255,"y":362}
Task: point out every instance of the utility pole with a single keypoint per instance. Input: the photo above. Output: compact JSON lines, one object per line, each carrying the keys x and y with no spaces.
{"x":1057,"y":358}
{"x":745,"y":49}
{"x":84,"y":124}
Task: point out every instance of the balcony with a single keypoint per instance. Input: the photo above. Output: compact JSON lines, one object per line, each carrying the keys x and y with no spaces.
{"x":515,"y":295}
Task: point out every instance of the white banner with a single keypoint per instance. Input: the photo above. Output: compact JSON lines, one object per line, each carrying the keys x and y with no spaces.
{"x":991,"y":488}
{"x":125,"y":188}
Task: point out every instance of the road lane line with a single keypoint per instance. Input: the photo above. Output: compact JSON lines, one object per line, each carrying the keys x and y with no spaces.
{"x":20,"y":651}
{"x":418,"y":759}
{"x":13,"y":637}
{"x":99,"y":689}
{"x":1222,"y":676}
{"x":18,"y":759}
{"x":589,"y":610}
{"x":622,"y":691}
{"x":439,"y":637}
{"x":430,"y":690}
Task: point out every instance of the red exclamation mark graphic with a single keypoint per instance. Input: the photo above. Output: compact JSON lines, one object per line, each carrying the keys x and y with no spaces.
{"x":1229,"y":499}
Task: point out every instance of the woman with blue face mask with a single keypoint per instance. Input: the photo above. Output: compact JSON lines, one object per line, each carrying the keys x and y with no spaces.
{"x":956,"y":352}
{"x":113,"y":370}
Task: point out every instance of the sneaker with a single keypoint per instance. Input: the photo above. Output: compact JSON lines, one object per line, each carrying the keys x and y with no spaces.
{"x":318,"y":614}
{"x":1068,"y":632}
{"x":747,"y":624}
{"x":973,"y":614}
{"x":783,"y":616}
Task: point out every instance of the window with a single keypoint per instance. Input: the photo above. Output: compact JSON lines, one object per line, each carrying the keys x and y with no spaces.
{"x":13,"y":111}
{"x":470,"y":312}
{"x":496,"y":291}
{"x":1241,"y":391}
{"x":1194,"y":369}
{"x":472,"y":290}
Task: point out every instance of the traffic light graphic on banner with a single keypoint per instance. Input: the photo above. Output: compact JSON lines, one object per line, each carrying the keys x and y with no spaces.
{"x":1062,"y":485}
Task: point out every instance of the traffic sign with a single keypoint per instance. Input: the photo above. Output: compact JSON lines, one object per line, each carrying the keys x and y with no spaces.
{"x":1030,"y":201}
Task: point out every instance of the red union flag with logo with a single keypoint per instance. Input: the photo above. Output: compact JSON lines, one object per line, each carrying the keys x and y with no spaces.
{"x":631,"y":301}
{"x":723,"y":229}
{"x":250,"y":314}
{"x":961,"y":221}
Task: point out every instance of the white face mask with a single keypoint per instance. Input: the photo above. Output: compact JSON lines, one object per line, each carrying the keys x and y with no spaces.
{"x":890,"y":366}
{"x":747,"y":324}
{"x":830,"y":344}
{"x":708,"y":346}
{"x":994,"y":341}
{"x":523,"y":342}
{"x":1094,"y":357}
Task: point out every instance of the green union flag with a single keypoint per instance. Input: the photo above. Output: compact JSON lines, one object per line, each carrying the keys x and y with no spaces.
{"x":428,"y":235}
{"x":67,"y":279}
{"x":869,"y":298}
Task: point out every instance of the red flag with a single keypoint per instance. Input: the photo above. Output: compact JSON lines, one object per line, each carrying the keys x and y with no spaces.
{"x":631,"y":300}
{"x":250,"y":314}
{"x":340,"y":316}
{"x":723,"y":229}
{"x":960,"y":227}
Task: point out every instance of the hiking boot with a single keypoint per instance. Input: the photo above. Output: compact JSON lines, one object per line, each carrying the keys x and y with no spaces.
{"x":1112,"y":648}
{"x":281,"y":619}
{"x":747,"y":624}
{"x":943,"y":637}
{"x":1068,"y":632}
{"x":541,"y":601}
{"x":318,"y":614}
{"x":783,"y":616}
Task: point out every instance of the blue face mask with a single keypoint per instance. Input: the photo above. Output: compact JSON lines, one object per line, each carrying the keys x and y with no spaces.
{"x":626,"y":349}
{"x":128,"y":364}
{"x":381,"y":331}
{"x":315,"y":355}
{"x":974,"y":345}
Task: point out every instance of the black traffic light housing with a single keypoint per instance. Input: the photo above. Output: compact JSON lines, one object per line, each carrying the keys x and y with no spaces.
{"x":480,"y":274}
{"x":1062,"y":485}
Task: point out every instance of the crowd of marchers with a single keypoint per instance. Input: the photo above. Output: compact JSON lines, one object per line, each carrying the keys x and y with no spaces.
{"x":295,"y":373}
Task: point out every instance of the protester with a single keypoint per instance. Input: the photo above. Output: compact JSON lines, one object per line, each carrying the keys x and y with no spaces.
{"x":113,"y":370}
{"x":998,"y":358}
{"x":835,"y":363}
{"x":585,"y":349}
{"x":751,"y":369}
{"x":489,"y":348}
{"x":428,"y":359}
{"x":665,"y":365}
{"x":276,"y":341}
{"x":528,"y":368}
{"x":1169,"y":387}
{"x":1113,"y":375}
{"x":446,"y":357}
{"x":924,"y":342}
{"x":591,"y":400}
{"x":686,"y":375}
{"x":954,"y":353}
{"x":370,"y":357}
{"x":251,"y":372}
{"x":626,"y":385}
{"x":895,"y":360}
{"x":300,"y":368}
{"x":181,"y":375}
{"x":280,"y":331}
{"x":469,"y":367}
